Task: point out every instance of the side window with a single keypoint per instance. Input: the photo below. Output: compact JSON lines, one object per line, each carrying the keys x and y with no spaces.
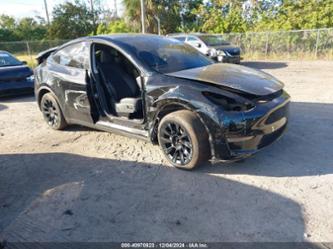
{"x":108,"y":57}
{"x":192,"y":39}
{"x":180,"y":38}
{"x":76,"y":55}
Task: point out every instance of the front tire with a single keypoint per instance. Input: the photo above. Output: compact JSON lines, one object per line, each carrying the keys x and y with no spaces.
{"x":183,"y":139}
{"x":52,"y":113}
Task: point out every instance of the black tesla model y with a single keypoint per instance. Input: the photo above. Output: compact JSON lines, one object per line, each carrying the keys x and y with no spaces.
{"x":164,"y":91}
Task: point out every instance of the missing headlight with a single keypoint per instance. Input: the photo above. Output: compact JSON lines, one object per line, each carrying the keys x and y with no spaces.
{"x":228,"y":103}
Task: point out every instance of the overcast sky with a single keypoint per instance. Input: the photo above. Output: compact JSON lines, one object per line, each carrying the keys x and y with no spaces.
{"x":23,"y":8}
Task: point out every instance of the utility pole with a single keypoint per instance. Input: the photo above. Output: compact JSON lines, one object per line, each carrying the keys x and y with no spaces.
{"x":158,"y":24}
{"x":115,"y":9}
{"x":181,"y":15}
{"x":92,"y":11}
{"x":143,"y":16}
{"x":47,"y":13}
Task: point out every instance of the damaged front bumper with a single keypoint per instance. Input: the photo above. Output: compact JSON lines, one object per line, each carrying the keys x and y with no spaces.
{"x":247,"y":132}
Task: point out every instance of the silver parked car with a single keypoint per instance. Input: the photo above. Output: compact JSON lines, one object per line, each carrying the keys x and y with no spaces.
{"x":211,"y":45}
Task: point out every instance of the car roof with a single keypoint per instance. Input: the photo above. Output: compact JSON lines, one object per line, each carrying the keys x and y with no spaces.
{"x":190,"y":34}
{"x":3,"y":51}
{"x":6,"y":52}
{"x":176,"y":34}
{"x":115,"y":37}
{"x":122,"y":41}
{"x":119,"y":37}
{"x":118,"y":40}
{"x":126,"y":35}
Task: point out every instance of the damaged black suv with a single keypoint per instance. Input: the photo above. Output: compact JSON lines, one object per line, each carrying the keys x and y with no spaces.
{"x":164,"y":91}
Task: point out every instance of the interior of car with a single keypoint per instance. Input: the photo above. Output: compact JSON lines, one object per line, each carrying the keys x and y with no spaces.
{"x":117,"y":83}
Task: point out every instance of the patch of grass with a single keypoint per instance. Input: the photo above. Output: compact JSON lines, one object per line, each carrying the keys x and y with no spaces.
{"x":298,"y":56}
{"x":31,"y":61}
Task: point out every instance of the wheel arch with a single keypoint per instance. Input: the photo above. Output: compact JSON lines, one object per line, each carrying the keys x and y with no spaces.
{"x":44,"y":90}
{"x":41,"y":92}
{"x":174,"y":106}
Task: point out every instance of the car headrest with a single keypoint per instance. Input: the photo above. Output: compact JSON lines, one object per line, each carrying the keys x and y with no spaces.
{"x":106,"y":57}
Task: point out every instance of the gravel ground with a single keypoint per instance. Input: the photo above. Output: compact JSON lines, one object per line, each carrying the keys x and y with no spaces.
{"x":86,"y":185}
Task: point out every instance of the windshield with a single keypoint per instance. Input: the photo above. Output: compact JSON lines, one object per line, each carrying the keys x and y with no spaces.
{"x":165,"y":55}
{"x":7,"y":59}
{"x":213,"y":40}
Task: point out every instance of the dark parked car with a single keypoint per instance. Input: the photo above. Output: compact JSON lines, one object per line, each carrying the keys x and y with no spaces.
{"x":213,"y":46}
{"x":15,"y":76}
{"x":164,"y":91}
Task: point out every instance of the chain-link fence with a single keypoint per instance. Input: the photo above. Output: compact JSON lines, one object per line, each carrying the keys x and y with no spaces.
{"x":281,"y":45}
{"x":28,"y":50}
{"x":285,"y":45}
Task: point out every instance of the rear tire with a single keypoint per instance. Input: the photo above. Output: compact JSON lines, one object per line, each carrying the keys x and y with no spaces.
{"x":183,"y":139}
{"x":51,"y":112}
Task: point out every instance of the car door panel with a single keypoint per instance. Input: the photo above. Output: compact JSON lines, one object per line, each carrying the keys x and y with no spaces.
{"x":71,"y":81}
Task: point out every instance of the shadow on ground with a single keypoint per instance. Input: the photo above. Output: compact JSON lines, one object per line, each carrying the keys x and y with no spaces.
{"x":66,"y":197}
{"x":304,"y":150}
{"x":264,"y":64}
{"x":71,"y":128}
{"x":18,"y":99}
{"x":3,"y":107}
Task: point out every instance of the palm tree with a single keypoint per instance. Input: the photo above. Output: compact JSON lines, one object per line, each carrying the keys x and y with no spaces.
{"x":132,"y":13}
{"x":166,"y":10}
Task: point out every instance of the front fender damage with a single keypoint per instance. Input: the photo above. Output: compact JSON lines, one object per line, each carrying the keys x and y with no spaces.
{"x":182,"y":97}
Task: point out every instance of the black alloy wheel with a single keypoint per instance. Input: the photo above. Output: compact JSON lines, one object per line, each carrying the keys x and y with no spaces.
{"x":52,"y":113}
{"x":183,"y":139}
{"x":176,"y":143}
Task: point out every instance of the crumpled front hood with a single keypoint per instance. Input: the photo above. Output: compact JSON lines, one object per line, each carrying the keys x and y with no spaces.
{"x":236,"y":77}
{"x":14,"y":72}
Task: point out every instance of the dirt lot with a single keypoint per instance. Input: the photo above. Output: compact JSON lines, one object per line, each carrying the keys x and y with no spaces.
{"x":86,"y":185}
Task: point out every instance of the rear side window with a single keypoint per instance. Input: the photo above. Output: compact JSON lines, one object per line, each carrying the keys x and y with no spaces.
{"x":191,"y":39}
{"x":180,"y":38}
{"x":76,"y":55}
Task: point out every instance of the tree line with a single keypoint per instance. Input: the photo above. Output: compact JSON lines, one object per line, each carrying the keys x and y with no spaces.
{"x":76,"y":18}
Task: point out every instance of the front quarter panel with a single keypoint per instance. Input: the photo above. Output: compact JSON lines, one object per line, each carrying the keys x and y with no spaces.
{"x":163,"y":91}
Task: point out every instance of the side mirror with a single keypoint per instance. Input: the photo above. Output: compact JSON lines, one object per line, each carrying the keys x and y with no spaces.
{"x":198,"y":45}
{"x":24,"y":62}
